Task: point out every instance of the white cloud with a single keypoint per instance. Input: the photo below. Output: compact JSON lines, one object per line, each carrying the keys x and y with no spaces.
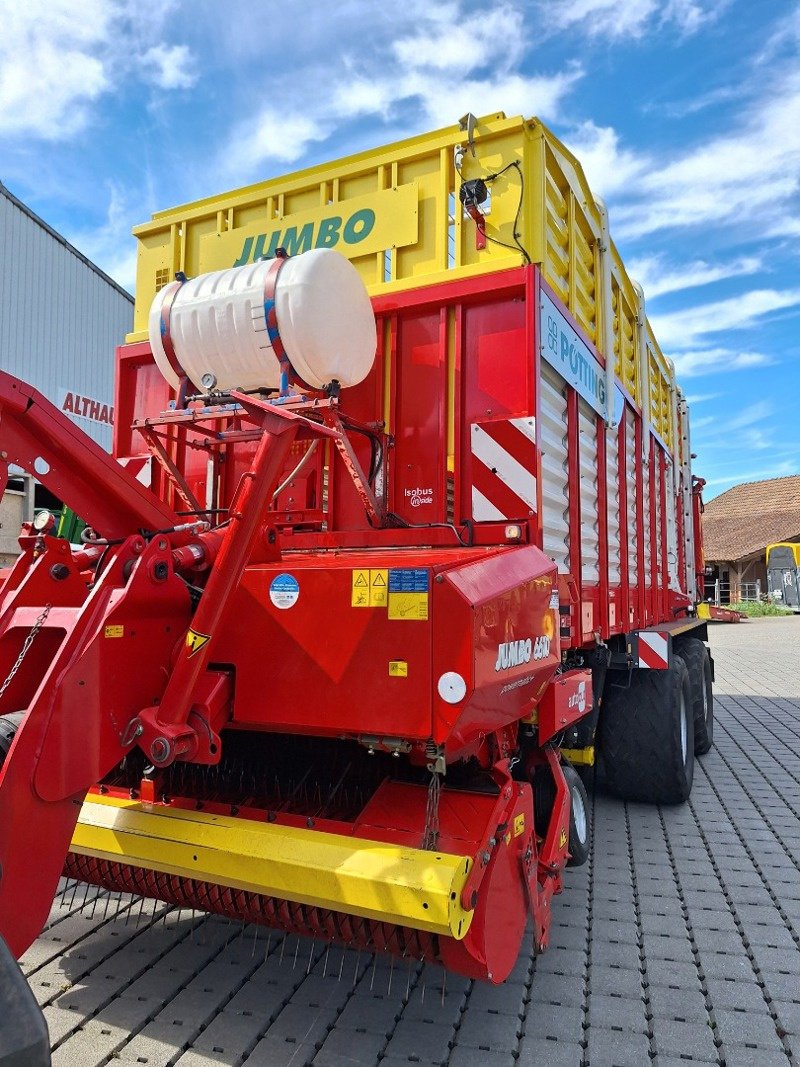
{"x":438,"y":59}
{"x":658,"y":277}
{"x":751,"y":415}
{"x":49,"y":68}
{"x":272,"y":134}
{"x":620,"y":19}
{"x":698,"y":361}
{"x":749,"y":175}
{"x":608,"y":167}
{"x":685,"y":328}
{"x":110,"y":245}
{"x":444,"y":100}
{"x":57,"y":60}
{"x":451,"y":46}
{"x":170,"y":67}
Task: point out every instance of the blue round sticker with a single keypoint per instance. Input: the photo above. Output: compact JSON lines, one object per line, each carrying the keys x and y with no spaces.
{"x":284,"y":591}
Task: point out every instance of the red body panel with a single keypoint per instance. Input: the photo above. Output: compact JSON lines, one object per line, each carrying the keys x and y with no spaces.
{"x":330,"y":660}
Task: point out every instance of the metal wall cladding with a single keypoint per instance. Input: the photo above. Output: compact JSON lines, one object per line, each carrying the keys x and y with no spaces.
{"x":648,"y":580}
{"x":673,"y":505}
{"x":612,"y":484}
{"x":590,"y":534}
{"x":60,"y":317}
{"x":631,"y":461}
{"x":555,"y":473}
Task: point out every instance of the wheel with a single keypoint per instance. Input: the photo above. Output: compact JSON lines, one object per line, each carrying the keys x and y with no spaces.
{"x":698,"y":663}
{"x":9,"y":724}
{"x":579,"y":818}
{"x":647,"y":735}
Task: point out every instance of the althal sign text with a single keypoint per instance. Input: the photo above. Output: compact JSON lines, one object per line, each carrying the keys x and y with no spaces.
{"x":85,"y":407}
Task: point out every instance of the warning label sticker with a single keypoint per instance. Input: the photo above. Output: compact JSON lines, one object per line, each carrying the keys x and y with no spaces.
{"x":408,"y":606}
{"x":370,"y":589}
{"x":195,"y":641}
{"x":114,"y":631}
{"x":378,"y":589}
{"x":360,"y":594}
{"x":398,"y":668}
{"x":408,"y":593}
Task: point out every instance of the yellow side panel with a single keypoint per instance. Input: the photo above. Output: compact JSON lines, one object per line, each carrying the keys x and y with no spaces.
{"x":367,"y":224}
{"x":374,"y":879}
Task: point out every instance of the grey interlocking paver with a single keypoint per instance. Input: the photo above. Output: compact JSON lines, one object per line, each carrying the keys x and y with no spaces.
{"x":679,"y":938}
{"x":537,"y":1051}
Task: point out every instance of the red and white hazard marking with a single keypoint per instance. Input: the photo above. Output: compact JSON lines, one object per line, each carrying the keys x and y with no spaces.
{"x":653,"y":650}
{"x":503,"y":469}
{"x":141,"y":467}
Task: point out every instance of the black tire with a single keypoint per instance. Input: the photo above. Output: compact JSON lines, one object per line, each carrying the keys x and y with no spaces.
{"x":580,"y":820}
{"x":647,"y":735}
{"x":698,"y":663}
{"x":9,"y":724}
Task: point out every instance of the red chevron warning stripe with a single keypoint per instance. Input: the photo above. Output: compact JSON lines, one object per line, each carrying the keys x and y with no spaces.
{"x":503,"y":469}
{"x":653,"y":650}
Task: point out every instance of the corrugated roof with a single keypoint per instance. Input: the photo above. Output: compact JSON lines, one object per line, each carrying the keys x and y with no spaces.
{"x":62,"y":240}
{"x":750,"y":516}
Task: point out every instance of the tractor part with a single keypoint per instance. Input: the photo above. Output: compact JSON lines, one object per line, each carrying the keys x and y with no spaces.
{"x":75,"y":679}
{"x":698,"y":662}
{"x":321,"y":838}
{"x":371,"y":887}
{"x":647,"y":735}
{"x":24,"y":1040}
{"x":579,"y":818}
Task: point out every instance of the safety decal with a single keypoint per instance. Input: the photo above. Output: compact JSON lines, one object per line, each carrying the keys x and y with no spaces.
{"x":562,"y":839}
{"x":114,"y":631}
{"x":504,"y":459}
{"x":398,"y":668}
{"x":195,"y":641}
{"x":519,"y":824}
{"x":653,"y":650}
{"x":408,"y":593}
{"x":370,"y":589}
{"x":284,"y":591}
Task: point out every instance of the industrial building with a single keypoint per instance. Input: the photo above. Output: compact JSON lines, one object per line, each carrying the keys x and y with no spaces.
{"x":60,"y":320}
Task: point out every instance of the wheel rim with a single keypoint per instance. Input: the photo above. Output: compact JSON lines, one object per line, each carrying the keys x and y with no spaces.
{"x":684,"y":730}
{"x":704,"y":695}
{"x":579,"y":814}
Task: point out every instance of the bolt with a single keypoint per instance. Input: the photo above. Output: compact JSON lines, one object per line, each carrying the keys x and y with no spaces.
{"x":59,"y":571}
{"x":160,"y":571}
{"x":159,"y":750}
{"x":162,"y":544}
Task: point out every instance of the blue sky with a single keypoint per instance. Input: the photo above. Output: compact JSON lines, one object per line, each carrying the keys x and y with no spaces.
{"x":685,"y":113}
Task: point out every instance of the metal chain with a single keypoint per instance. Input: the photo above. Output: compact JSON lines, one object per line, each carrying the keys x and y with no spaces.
{"x":430,"y":838}
{"x":24,"y":650}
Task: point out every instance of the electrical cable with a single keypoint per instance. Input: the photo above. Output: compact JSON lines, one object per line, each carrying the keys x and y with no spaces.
{"x":503,"y":244}
{"x":517,"y":246}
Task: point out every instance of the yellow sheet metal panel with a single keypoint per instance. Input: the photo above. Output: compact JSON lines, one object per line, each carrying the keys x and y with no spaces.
{"x":374,"y":879}
{"x":395,"y":212}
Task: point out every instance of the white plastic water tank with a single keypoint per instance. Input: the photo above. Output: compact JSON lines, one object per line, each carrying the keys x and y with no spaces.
{"x":217,"y":324}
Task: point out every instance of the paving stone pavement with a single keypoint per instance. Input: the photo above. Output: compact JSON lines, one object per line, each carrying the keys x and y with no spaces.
{"x":677,"y":942}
